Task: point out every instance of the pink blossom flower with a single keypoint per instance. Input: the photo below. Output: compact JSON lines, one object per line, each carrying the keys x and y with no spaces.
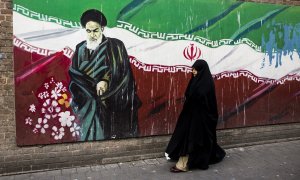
{"x":66,"y":119}
{"x":58,"y":133}
{"x":46,"y":85}
{"x":75,"y":130}
{"x":55,"y":93}
{"x":50,"y":108}
{"x":32,"y":108}
{"x":28,"y":120}
{"x":42,"y":124}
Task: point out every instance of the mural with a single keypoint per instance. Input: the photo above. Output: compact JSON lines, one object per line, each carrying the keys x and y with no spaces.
{"x":103,"y":89}
{"x":132,"y":84}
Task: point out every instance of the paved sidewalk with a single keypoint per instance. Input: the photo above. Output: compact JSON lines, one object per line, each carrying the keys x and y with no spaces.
{"x":268,"y":161}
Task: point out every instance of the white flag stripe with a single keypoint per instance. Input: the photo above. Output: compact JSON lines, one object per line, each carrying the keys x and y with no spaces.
{"x":223,"y":58}
{"x":159,"y":52}
{"x":27,"y":28}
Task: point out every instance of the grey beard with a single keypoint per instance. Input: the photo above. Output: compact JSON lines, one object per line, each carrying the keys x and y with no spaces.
{"x":92,"y":45}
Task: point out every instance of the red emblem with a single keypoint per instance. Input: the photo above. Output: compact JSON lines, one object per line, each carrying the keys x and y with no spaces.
{"x":192,"y":52}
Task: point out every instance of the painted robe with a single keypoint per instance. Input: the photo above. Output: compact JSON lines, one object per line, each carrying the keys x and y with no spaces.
{"x":113,"y":114}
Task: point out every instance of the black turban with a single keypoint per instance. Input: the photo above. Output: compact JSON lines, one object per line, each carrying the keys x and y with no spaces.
{"x":93,"y":15}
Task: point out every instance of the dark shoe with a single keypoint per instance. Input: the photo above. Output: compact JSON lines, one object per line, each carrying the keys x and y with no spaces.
{"x":203,"y":167}
{"x":174,"y":169}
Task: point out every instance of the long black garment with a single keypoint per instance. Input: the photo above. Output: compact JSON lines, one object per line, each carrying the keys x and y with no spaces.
{"x":113,"y":114}
{"x":195,"y":131}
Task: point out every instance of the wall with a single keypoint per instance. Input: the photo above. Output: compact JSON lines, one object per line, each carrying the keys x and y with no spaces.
{"x":259,"y":88}
{"x":30,"y":158}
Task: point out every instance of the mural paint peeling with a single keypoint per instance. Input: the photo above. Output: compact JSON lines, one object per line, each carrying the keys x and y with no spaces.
{"x":253,"y":51}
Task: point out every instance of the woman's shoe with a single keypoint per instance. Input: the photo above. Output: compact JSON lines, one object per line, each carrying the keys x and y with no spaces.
{"x":174,"y":169}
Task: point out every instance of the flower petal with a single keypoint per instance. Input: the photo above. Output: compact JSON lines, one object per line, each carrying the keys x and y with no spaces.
{"x":54,"y":103}
{"x":67,"y":104}
{"x":43,"y":131}
{"x":39,"y":120}
{"x":61,"y":101}
{"x":65,"y":96}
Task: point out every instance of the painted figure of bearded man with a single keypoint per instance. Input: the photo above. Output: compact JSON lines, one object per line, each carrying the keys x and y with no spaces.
{"x":102,"y":85}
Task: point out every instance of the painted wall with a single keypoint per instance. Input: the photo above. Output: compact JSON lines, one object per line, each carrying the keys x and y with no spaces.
{"x":253,"y":51}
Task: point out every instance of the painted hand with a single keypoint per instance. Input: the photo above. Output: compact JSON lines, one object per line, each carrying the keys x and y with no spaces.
{"x":101,"y":87}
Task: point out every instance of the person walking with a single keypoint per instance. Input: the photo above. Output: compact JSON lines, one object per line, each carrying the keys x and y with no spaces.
{"x":194,"y":141}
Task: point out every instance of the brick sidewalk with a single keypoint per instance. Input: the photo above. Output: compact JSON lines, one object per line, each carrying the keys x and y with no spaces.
{"x":268,"y":161}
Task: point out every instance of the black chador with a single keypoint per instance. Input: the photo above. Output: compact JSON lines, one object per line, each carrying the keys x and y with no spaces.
{"x":195,"y":132}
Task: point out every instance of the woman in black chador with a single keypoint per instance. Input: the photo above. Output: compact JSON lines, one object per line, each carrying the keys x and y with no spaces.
{"x":194,"y":141}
